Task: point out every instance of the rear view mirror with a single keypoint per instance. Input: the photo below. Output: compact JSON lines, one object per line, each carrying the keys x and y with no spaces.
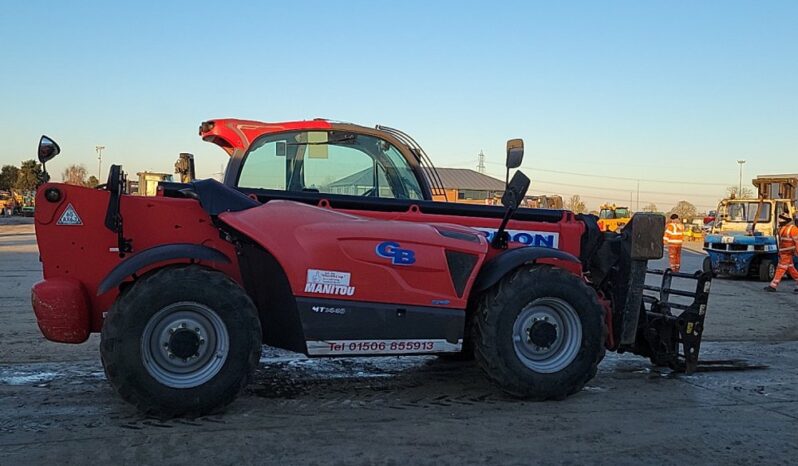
{"x":516,"y":190}
{"x":47,"y":149}
{"x":515,"y":153}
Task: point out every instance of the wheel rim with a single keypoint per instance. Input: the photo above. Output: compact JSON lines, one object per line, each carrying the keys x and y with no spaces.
{"x":547,"y":335}
{"x":771,"y":270}
{"x":184,"y":345}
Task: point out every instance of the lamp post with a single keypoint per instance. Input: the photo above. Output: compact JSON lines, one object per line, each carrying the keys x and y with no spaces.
{"x":740,"y":187}
{"x":99,"y":150}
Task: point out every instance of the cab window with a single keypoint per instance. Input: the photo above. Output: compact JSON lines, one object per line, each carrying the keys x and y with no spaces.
{"x":747,"y":212}
{"x":331,"y":162}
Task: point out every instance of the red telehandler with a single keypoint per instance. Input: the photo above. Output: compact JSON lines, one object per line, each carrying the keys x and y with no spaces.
{"x":324,"y":240}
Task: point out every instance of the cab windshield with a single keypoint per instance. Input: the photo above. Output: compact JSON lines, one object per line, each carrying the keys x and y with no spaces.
{"x":330,"y":162}
{"x":746,"y":211}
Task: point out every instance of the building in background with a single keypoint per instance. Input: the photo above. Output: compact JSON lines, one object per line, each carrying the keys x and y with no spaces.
{"x":469,"y":186}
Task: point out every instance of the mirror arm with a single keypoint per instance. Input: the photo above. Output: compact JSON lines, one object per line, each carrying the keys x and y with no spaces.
{"x":500,"y":239}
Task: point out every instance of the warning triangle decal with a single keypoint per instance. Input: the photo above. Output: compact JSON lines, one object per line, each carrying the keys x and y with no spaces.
{"x":69,"y":217}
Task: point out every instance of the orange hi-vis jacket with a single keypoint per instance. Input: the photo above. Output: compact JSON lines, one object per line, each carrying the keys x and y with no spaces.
{"x":674,"y":233}
{"x":788,"y":237}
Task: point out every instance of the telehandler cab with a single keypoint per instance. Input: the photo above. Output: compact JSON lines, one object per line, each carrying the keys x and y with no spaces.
{"x":324,"y":240}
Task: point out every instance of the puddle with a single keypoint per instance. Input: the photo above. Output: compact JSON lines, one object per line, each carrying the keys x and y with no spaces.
{"x":26,"y":378}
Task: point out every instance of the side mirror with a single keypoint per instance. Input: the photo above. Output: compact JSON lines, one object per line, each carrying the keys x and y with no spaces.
{"x":47,"y":149}
{"x":515,"y":153}
{"x":516,"y":190}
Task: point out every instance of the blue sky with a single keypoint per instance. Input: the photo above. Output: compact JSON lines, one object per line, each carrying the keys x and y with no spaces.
{"x":672,"y":93}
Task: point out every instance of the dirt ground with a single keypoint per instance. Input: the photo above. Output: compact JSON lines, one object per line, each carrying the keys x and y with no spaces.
{"x":55,"y":405}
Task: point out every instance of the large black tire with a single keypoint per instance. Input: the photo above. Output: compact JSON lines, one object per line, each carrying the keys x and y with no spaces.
{"x":182,"y":341}
{"x":767,"y":269}
{"x":529,"y":295}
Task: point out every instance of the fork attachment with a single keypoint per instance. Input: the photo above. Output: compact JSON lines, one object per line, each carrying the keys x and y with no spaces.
{"x":669,"y":332}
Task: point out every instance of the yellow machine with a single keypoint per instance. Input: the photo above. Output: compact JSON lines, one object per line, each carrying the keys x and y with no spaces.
{"x":613,"y":218}
{"x":14,"y":203}
{"x":6,"y":201}
{"x":693,"y":232}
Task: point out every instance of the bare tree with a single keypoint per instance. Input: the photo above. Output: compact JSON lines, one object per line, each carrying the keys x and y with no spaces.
{"x":650,"y":207}
{"x":747,"y":193}
{"x":576,"y":205}
{"x":74,"y":174}
{"x":92,"y":182}
{"x":684,"y":210}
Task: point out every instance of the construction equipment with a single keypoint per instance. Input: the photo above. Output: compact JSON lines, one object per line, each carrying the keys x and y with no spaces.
{"x":743,"y":239}
{"x":13,"y":202}
{"x":613,"y":218}
{"x":184,"y":287}
{"x":7,"y":203}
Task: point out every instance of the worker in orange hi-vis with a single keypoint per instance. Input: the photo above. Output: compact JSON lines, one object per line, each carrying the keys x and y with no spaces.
{"x":788,"y":239}
{"x":673,"y":239}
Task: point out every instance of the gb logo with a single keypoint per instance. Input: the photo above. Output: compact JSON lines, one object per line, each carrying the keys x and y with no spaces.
{"x":398,"y":255}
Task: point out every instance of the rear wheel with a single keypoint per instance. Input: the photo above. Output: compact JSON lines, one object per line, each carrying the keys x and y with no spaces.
{"x":181,"y":341}
{"x":767,"y":270}
{"x":540,"y":333}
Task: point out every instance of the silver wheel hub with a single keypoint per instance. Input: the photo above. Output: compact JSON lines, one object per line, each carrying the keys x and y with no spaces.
{"x":547,"y":335}
{"x":184,"y":345}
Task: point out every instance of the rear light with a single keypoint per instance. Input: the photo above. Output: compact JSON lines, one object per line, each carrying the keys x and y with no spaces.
{"x":52,"y":194}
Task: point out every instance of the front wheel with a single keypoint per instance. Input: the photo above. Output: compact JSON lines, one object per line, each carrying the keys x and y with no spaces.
{"x":540,"y":333}
{"x":767,"y":270}
{"x":181,"y":341}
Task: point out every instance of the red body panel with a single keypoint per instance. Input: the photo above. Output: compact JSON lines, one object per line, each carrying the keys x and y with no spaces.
{"x":62,"y":310}
{"x":303,"y":238}
{"x":86,"y":252}
{"x":569,"y":230}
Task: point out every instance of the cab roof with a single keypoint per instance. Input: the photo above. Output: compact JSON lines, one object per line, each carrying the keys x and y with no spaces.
{"x":235,"y":135}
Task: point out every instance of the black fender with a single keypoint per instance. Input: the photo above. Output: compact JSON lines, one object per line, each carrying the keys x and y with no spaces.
{"x":161,"y":253}
{"x":509,"y":260}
